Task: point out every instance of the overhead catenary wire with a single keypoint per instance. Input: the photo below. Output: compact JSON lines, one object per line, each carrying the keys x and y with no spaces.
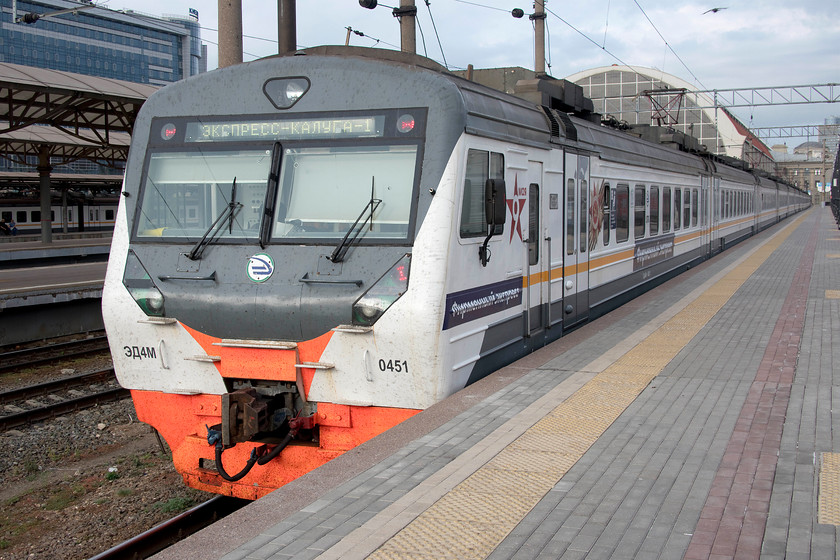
{"x":606,"y":25}
{"x":591,"y":40}
{"x":668,"y":45}
{"x":431,"y":17}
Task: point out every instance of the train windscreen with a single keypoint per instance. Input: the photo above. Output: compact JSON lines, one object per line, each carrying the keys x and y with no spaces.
{"x":323,"y":190}
{"x":186,"y":193}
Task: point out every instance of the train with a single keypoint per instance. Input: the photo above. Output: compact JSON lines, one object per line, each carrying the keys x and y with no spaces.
{"x":311,"y":249}
{"x":92,"y":214}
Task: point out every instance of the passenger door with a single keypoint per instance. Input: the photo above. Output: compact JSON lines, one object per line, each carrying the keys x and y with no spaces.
{"x":714,"y":247}
{"x":576,"y":243}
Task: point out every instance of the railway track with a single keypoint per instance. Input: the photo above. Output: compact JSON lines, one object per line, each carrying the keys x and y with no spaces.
{"x":169,"y":532}
{"x":11,"y":360}
{"x":46,"y":400}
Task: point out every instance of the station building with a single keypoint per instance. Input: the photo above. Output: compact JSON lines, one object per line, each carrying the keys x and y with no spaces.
{"x":124,"y":45}
{"x":96,"y":41}
{"x":627,"y":94}
{"x":810,"y":167}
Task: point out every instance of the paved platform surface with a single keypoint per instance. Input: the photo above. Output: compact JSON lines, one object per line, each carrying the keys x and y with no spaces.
{"x":694,"y":422}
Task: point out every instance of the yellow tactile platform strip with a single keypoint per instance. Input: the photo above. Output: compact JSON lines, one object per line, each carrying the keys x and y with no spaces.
{"x":828,"y":502}
{"x":832,"y":294}
{"x":483,"y":505}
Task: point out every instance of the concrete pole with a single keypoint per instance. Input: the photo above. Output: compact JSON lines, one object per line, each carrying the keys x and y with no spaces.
{"x":44,"y":170}
{"x":539,"y":37}
{"x":64,"y":220}
{"x":230,"y":32}
{"x":408,"y":32}
{"x":286,"y":26}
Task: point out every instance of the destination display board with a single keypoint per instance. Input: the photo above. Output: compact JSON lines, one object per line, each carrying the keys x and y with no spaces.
{"x":286,"y":129}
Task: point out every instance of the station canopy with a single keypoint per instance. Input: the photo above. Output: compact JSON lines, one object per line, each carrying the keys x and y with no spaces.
{"x":64,"y":116}
{"x":71,"y":116}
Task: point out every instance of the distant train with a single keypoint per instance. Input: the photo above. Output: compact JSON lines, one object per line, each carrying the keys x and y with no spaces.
{"x":311,"y":249}
{"x":95,"y":214}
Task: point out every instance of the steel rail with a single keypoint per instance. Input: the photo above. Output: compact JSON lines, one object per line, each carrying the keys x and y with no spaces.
{"x":37,"y":414}
{"x":9,"y":363}
{"x":169,"y":532}
{"x":47,"y":387}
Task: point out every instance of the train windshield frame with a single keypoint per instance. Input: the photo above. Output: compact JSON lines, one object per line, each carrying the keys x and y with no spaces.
{"x":314,"y":174}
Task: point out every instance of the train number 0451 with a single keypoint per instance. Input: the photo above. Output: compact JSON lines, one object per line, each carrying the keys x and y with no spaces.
{"x":398,"y":366}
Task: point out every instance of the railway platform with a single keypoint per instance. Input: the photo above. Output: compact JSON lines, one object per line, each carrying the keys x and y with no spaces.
{"x":697,"y":421}
{"x":49,"y":290}
{"x":28,"y":250}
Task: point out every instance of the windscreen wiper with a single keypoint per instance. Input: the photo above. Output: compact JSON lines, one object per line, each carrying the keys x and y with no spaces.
{"x":228,"y":213}
{"x":357,"y":227}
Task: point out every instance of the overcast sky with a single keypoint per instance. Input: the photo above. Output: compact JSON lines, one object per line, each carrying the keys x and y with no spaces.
{"x":750,"y":44}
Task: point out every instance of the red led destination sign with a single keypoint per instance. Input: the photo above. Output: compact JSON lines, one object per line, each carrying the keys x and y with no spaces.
{"x":294,"y":129}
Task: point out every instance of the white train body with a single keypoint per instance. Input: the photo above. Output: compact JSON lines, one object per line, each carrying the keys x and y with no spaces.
{"x":279,"y":330}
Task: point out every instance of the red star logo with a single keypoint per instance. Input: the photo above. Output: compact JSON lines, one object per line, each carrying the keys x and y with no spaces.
{"x":516,"y":205}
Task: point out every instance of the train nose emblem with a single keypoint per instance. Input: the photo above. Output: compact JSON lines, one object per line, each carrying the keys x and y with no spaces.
{"x":260,"y":267}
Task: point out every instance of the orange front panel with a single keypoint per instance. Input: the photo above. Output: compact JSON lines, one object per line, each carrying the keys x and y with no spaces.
{"x":258,"y":363}
{"x":267,"y":364}
{"x":183,"y":419}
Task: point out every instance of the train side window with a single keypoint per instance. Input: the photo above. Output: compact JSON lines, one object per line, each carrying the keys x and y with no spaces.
{"x":654,"y":211}
{"x":21,"y":216}
{"x":6,"y":216}
{"x":695,"y":207}
{"x":583,"y":213}
{"x":686,"y":208}
{"x":481,"y":165}
{"x":109,"y":215}
{"x":605,"y":224}
{"x":36,"y":216}
{"x":570,"y":217}
{"x":666,"y":209}
{"x":677,"y":208}
{"x":639,"y":212}
{"x":533,"y":224}
{"x":622,"y":213}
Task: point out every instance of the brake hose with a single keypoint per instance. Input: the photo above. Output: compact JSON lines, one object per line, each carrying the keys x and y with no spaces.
{"x":215,"y":437}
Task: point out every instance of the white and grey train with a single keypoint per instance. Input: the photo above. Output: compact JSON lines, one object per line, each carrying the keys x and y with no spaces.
{"x":310,"y":249}
{"x":90,"y":215}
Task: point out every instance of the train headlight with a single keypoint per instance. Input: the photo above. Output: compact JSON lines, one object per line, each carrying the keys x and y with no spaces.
{"x":388,"y":289}
{"x":285,"y":92}
{"x":141,"y":287}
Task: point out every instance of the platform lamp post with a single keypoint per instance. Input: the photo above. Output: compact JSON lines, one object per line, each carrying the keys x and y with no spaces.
{"x":538,"y":17}
{"x":230,"y":32}
{"x":44,"y":170}
{"x":407,"y":14}
{"x":286,"y":26}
